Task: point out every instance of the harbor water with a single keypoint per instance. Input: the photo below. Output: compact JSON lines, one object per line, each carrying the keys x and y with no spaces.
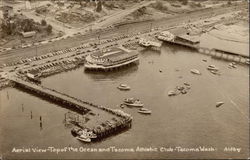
{"x":189,"y":120}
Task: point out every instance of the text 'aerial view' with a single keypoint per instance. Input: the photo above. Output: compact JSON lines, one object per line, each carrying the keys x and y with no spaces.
{"x":124,"y":79}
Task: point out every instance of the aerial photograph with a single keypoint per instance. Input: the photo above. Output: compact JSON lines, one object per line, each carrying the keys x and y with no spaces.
{"x":124,"y":79}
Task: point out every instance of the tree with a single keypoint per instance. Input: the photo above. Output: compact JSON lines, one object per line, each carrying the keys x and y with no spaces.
{"x":185,"y":2}
{"x":49,"y":29}
{"x":43,"y":22}
{"x":99,"y":6}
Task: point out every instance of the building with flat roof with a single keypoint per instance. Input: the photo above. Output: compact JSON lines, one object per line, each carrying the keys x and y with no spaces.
{"x":110,"y":59}
{"x":225,"y":43}
{"x":28,"y":34}
{"x":188,"y":39}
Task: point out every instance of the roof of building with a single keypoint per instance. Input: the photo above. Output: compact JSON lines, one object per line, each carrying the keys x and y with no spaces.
{"x":28,"y":33}
{"x":228,"y":45}
{"x":34,"y":72}
{"x":193,"y":39}
{"x":114,"y":54}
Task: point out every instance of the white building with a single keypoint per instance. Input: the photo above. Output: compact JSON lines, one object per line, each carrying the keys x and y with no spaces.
{"x":28,"y":5}
{"x":33,"y":74}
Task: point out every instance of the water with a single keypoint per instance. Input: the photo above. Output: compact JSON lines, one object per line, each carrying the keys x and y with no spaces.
{"x":189,"y":120}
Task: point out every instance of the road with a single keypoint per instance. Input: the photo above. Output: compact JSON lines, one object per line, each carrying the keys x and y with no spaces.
{"x":125,"y":29}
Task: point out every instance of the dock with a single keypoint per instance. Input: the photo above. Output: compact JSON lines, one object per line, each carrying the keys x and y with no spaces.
{"x":193,"y":43}
{"x":98,"y":116}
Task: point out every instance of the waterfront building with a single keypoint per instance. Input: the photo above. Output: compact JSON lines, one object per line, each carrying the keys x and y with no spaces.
{"x":110,"y":59}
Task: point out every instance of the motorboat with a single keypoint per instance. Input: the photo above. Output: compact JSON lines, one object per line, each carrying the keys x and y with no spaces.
{"x":218,"y":104}
{"x":83,"y":134}
{"x":133,"y":102}
{"x":195,"y":71}
{"x":171,"y":93}
{"x":123,"y":87}
{"x":83,"y":138}
{"x":212,"y":68}
{"x":145,"y":111}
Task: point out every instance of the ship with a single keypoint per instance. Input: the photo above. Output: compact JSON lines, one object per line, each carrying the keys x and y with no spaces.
{"x":166,"y":36}
{"x":110,"y":59}
{"x":132,"y":102}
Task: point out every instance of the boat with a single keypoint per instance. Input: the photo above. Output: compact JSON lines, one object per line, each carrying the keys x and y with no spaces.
{"x":83,"y":134}
{"x":145,"y":112}
{"x":218,"y":104}
{"x":171,"y":93}
{"x":212,"y":68}
{"x":195,"y":71}
{"x":143,"y":109}
{"x":186,"y":84}
{"x":123,"y":87}
{"x":214,"y":72}
{"x":133,"y":102}
{"x":232,"y":65}
{"x":83,"y":138}
{"x":166,"y":36}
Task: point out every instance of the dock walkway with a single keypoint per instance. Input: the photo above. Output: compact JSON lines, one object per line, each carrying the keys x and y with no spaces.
{"x":99,"y":116}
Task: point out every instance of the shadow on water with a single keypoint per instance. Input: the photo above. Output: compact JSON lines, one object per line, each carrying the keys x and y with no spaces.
{"x":150,"y":52}
{"x":112,"y":75}
{"x":173,"y":48}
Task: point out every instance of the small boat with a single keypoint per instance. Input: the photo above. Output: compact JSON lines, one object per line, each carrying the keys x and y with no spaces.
{"x":214,"y":72}
{"x":171,"y":93}
{"x":145,"y":112}
{"x":83,"y":134}
{"x":133,"y":102}
{"x":123,"y":87}
{"x":83,"y":138}
{"x":122,"y":105}
{"x":143,"y":109}
{"x":232,"y":65}
{"x":195,"y":71}
{"x":212,"y":68}
{"x":218,"y":104}
{"x":183,"y":91}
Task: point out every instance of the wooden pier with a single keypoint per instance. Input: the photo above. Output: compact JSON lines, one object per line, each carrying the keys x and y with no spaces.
{"x":214,"y":53}
{"x":229,"y":56}
{"x":103,"y":121}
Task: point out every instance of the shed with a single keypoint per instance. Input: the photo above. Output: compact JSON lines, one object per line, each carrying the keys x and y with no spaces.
{"x":28,"y":34}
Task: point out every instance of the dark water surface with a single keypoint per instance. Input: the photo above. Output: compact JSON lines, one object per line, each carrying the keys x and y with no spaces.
{"x":189,"y":120}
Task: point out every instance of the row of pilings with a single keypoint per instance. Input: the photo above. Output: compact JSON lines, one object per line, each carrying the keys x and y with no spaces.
{"x":219,"y":54}
{"x":122,"y":122}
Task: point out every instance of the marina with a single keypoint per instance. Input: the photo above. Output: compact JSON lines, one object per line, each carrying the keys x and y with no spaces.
{"x":124,"y":79}
{"x":182,"y":111}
